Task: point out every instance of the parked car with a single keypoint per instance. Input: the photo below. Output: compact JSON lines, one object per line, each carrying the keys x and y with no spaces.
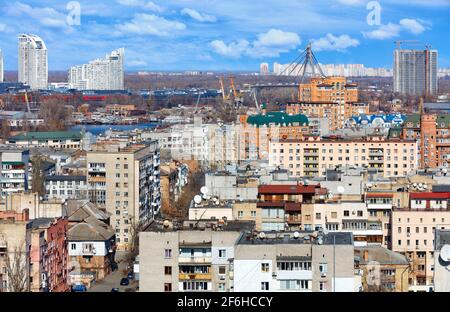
{"x":115,"y":290}
{"x":79,"y":288}
{"x":130,"y":275}
{"x":124,"y":282}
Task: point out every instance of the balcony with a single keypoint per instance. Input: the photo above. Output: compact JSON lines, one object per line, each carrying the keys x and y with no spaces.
{"x":97,"y":179}
{"x":97,"y":169}
{"x":182,"y":259}
{"x":195,"y":276}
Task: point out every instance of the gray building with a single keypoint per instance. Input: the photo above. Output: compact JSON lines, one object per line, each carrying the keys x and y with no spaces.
{"x":442,"y":261}
{"x":415,"y":72}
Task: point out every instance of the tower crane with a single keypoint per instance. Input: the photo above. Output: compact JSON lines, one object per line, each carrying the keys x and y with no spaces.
{"x":237,"y":97}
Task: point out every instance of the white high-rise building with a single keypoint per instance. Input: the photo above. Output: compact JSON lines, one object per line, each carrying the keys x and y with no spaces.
{"x":100,"y":74}
{"x":1,"y":66}
{"x":264,"y":69}
{"x":415,"y":72}
{"x":33,"y":62}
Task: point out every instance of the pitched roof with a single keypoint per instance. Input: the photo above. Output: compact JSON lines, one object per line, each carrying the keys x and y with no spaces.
{"x":381,"y":255}
{"x":90,"y":230}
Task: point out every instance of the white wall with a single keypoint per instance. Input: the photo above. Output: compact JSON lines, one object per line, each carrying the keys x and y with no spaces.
{"x":248,"y":275}
{"x":100,"y":248}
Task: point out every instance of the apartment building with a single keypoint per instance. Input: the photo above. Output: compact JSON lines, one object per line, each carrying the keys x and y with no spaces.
{"x":57,"y":140}
{"x":312,"y":157}
{"x":126,"y":181}
{"x":379,"y":209}
{"x":413,"y":234}
{"x":187,"y":260}
{"x":255,"y":132}
{"x":281,"y":205}
{"x":332,"y":98}
{"x":33,"y":61}
{"x":48,"y":255}
{"x":14,"y":170}
{"x":294,"y":262}
{"x":433,"y":135}
{"x":442,"y":261}
{"x":65,"y":187}
{"x":15,"y":246}
{"x":381,"y":269}
{"x":101,"y":74}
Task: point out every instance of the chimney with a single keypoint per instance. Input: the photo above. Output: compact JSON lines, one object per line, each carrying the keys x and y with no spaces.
{"x":366,"y":255}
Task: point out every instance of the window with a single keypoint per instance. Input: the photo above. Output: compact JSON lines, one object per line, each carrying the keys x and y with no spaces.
{"x":221,"y":287}
{"x":73,"y":246}
{"x":264,"y":285}
{"x":322,"y":286}
{"x":222,"y":270}
{"x":360,"y":213}
{"x":264,"y":267}
{"x":167,"y":287}
{"x":253,"y":213}
{"x":346,"y":213}
{"x":168,"y":270}
{"x":240,"y":214}
{"x":222,"y":253}
{"x":323,"y":267}
{"x":318,"y":216}
{"x":168,"y":253}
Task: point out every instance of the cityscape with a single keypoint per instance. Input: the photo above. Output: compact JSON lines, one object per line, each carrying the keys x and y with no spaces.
{"x":284,"y":163}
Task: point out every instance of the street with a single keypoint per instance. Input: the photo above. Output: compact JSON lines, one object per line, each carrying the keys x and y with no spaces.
{"x":113,"y":279}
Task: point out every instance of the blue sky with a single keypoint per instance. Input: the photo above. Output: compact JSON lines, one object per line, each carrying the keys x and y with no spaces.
{"x":224,"y":34}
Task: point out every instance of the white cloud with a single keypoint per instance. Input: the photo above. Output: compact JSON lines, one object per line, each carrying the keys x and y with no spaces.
{"x":270,"y":44}
{"x":45,"y":16}
{"x":334,"y":43}
{"x":391,"y":30}
{"x":352,"y":2}
{"x":198,"y":16}
{"x":150,"y":24}
{"x":384,"y":32}
{"x":412,"y":25}
{"x":143,"y":4}
{"x":234,"y":49}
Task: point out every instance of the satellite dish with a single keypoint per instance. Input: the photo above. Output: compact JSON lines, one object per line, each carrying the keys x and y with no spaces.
{"x":166,"y":223}
{"x":320,"y":240}
{"x":444,"y":170}
{"x":197,"y":199}
{"x":296,"y":235}
{"x":415,"y":184}
{"x":262,"y":235}
{"x":325,"y":231}
{"x":369,"y":185}
{"x":341,"y":189}
{"x":445,"y":253}
{"x":314,"y":234}
{"x":420,"y":185}
{"x":204,"y":190}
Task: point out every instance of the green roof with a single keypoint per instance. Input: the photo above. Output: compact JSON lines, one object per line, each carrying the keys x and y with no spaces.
{"x":278,"y":118}
{"x":443,"y":119}
{"x":43,"y":136}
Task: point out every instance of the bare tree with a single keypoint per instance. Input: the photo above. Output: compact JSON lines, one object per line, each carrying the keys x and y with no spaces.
{"x":17,"y":270}
{"x":5,"y":129}
{"x":37,"y":173}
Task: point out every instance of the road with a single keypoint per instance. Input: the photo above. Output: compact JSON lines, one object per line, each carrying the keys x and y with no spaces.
{"x":113,"y":279}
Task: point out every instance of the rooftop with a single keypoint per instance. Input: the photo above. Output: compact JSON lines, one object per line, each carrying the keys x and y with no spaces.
{"x":304,"y":237}
{"x":278,"y":118}
{"x":43,"y":136}
{"x":287,"y":189}
{"x":380,"y":254}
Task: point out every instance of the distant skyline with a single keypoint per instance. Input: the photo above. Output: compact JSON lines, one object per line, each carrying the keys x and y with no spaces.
{"x":232,"y":35}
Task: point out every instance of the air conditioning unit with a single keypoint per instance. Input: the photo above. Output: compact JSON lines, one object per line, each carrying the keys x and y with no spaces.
{"x":323,"y":274}
{"x":222,"y":277}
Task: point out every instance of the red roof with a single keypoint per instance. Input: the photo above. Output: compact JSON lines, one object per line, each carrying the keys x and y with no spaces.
{"x":286,"y":189}
{"x":429,"y":195}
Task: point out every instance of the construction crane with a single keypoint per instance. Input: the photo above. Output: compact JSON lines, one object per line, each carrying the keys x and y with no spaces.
{"x":238,"y":100}
{"x":399,"y":43}
{"x":27,"y":101}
